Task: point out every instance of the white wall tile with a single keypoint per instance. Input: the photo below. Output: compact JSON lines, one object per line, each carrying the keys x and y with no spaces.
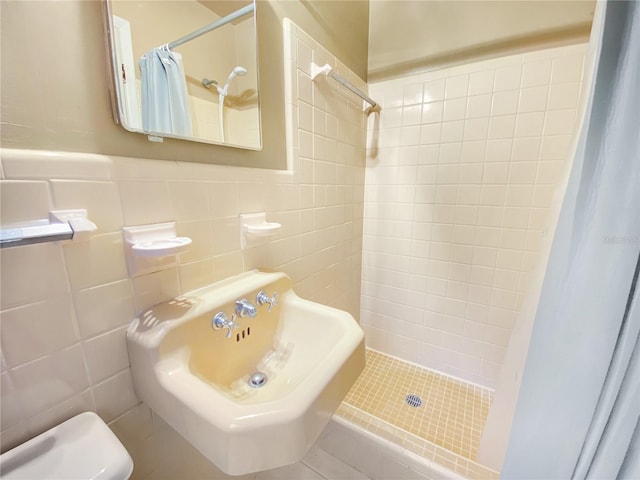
{"x":305,"y":87}
{"x":100,"y":199}
{"x":115,"y":396}
{"x":455,"y":109}
{"x":505,"y":103}
{"x":474,"y":151}
{"x":106,"y":355}
{"x":189,"y":201}
{"x":145,"y":202}
{"x":533,"y":99}
{"x":104,"y":308}
{"x":34,"y":330}
{"x":31,"y":273}
{"x":197,"y":274}
{"x":149,"y":290}
{"x":507,"y":78}
{"x":495,"y":173}
{"x":481,"y":82}
{"x":24,"y":201}
{"x":501,"y":127}
{"x":452,"y":131}
{"x":499,"y":150}
{"x":566,"y":69}
{"x":476,"y":129}
{"x":133,"y":428}
{"x":523,"y":172}
{"x":411,"y":114}
{"x":479,"y":106}
{"x":457,"y":86}
{"x":529,"y":124}
{"x":434,"y":90}
{"x":559,"y":122}
{"x":564,"y":95}
{"x":412,"y":94}
{"x":31,"y":164}
{"x":549,"y":172}
{"x":487,"y":159}
{"x":95,"y":262}
{"x":536,"y":73}
{"x":555,"y":147}
{"x":432,"y":112}
{"x":525,"y":148}
{"x":50,"y":380}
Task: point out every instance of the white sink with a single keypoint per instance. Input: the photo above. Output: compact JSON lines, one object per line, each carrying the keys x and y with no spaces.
{"x":196,"y":378}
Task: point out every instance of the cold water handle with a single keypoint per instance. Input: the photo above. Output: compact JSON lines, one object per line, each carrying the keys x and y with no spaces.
{"x":262,"y":298}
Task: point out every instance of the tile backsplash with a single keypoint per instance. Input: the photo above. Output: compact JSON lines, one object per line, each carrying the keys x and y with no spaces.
{"x":65,"y":307}
{"x":462,"y":166}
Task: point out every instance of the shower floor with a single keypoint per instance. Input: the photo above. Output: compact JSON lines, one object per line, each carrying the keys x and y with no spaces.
{"x":445,"y":427}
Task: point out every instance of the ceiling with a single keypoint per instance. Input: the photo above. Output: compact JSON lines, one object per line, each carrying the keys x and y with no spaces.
{"x":222,"y":8}
{"x":408,"y":35}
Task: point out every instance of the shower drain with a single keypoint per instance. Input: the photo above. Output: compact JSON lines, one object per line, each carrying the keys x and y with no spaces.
{"x":413,"y":400}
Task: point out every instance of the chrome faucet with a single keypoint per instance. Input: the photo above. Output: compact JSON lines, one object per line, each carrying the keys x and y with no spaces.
{"x":220,"y":321}
{"x":262,"y":298}
{"x":244,"y":308}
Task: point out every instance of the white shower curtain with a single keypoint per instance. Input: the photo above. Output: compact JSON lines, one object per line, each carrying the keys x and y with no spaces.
{"x":578,"y":409}
{"x":165,"y":101}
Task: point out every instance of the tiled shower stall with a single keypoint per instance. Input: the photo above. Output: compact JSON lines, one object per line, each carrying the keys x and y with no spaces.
{"x":462,"y":166}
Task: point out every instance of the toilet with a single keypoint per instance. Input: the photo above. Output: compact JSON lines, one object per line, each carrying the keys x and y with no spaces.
{"x":83,"y":447}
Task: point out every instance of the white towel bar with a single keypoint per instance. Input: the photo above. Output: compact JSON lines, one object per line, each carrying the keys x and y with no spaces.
{"x":328,"y":71}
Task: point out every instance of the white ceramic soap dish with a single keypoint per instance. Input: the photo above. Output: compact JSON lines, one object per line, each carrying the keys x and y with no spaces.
{"x":161,"y":248}
{"x":254,"y":229}
{"x":150,"y":248}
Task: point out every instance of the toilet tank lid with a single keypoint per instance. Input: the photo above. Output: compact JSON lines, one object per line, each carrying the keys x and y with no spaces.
{"x":83,"y":447}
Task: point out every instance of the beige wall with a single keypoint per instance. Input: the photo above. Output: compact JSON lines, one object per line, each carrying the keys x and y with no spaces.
{"x":462,"y":166}
{"x":65,"y":308}
{"x":55,"y":84}
{"x":407,"y":35}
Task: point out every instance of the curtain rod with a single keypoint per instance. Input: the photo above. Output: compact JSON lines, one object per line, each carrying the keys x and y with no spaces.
{"x":327,"y":70}
{"x":212,"y":26}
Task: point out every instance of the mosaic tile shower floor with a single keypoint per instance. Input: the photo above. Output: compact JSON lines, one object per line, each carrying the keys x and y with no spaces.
{"x":446,"y":427}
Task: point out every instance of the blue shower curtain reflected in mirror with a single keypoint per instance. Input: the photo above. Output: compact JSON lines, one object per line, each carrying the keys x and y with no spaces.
{"x":165,"y":101}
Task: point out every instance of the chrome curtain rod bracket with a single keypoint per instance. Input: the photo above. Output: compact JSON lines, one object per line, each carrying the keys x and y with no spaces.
{"x":328,"y":71}
{"x":212,"y":26}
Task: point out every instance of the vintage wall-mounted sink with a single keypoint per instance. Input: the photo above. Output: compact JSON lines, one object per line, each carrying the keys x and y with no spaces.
{"x":252,"y":388}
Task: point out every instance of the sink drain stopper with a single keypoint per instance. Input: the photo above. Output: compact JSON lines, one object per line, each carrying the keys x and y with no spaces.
{"x":257,"y":380}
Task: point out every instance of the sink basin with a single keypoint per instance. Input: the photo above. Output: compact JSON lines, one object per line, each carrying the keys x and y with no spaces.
{"x":307,"y":356}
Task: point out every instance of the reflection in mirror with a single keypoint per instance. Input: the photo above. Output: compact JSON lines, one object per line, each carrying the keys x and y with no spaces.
{"x":186,"y":69}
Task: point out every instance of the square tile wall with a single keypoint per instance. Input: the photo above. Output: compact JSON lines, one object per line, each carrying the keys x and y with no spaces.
{"x":462,"y":167}
{"x":65,"y":308}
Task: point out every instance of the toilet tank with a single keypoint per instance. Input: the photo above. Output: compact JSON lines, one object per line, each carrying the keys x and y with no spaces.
{"x":83,"y":447}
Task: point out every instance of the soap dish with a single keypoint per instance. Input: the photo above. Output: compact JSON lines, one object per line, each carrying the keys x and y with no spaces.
{"x":255,"y":230}
{"x":151,"y":248}
{"x":263,"y":229}
{"x":161,"y":248}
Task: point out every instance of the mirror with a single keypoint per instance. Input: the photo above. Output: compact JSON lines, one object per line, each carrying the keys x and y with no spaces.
{"x":186,"y":69}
